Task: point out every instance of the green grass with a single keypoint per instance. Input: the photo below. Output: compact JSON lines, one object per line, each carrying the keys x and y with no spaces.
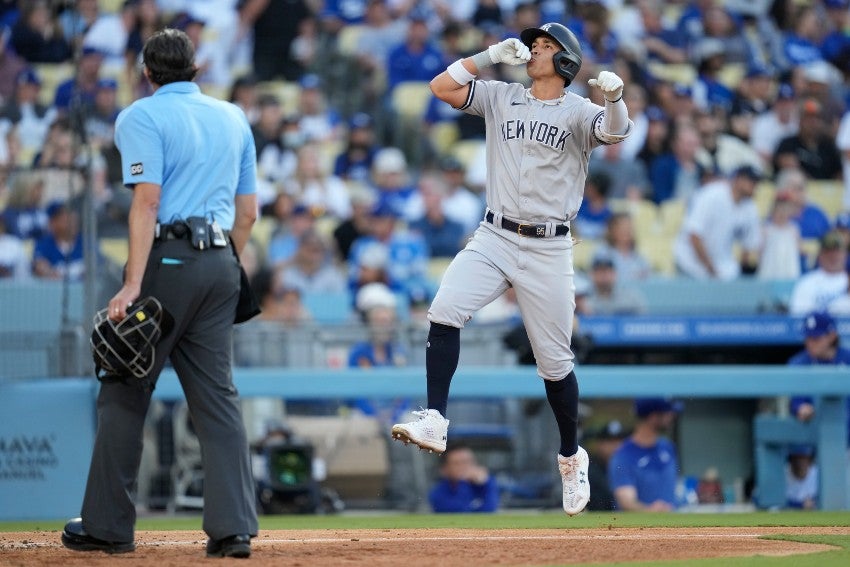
{"x":835,"y":558}
{"x":504,"y":520}
{"x":552,"y":520}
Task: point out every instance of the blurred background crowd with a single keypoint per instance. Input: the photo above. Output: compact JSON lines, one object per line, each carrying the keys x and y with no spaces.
{"x":365,"y":177}
{"x":738,"y":167}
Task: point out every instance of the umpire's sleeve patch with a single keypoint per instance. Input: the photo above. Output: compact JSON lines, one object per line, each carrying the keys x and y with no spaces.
{"x":137,"y":168}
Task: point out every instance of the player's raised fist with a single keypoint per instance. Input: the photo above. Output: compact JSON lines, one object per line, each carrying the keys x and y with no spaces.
{"x":511,"y":51}
{"x":610,"y":84}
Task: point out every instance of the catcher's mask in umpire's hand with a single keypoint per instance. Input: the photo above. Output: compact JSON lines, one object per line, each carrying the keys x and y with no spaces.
{"x":126,"y":349}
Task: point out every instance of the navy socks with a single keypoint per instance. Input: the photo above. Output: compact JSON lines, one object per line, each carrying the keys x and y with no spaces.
{"x":563,"y":397}
{"x":441,"y":357}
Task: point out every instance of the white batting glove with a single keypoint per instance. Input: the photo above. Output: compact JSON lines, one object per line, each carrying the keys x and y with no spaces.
{"x":610,"y":84}
{"x":511,"y":51}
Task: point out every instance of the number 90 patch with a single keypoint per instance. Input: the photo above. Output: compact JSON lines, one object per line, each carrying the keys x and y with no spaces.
{"x":136,"y":169}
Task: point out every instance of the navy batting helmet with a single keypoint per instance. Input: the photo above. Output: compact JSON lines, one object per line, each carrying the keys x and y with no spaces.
{"x":567,"y":61}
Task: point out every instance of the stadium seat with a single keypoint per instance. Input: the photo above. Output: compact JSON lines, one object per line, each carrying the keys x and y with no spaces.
{"x":731,"y":74}
{"x":286,"y":92}
{"x":51,"y":74}
{"x":347,"y":39}
{"x":672,"y":216}
{"x":644,"y":212}
{"x":583,"y":253}
{"x":657,"y":248}
{"x":764,"y":197}
{"x":115,"y":249}
{"x":262,"y":231}
{"x":442,"y":135}
{"x":682,"y":73}
{"x":466,"y":151}
{"x":410,"y":99}
{"x":828,"y":195}
{"x":436,"y":268}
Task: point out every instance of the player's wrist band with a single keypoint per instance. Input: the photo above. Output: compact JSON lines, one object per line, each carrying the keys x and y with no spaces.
{"x":483,"y":59}
{"x":618,"y":100}
{"x":459,"y":73}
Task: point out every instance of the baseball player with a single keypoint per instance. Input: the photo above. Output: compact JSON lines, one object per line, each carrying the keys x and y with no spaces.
{"x":538,"y":143}
{"x":191,"y":163}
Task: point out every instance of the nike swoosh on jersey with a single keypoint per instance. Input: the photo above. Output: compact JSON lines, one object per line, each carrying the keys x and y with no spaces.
{"x":515,"y":103}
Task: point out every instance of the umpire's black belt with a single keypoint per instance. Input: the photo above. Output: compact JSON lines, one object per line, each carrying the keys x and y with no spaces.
{"x":177,"y":231}
{"x":530,"y":230}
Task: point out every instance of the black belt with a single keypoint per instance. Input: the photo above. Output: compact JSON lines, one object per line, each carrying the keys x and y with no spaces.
{"x":531,"y":230}
{"x":177,"y":231}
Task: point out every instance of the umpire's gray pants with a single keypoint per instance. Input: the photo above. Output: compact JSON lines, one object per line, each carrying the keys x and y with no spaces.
{"x":200,"y":289}
{"x":540,"y":271}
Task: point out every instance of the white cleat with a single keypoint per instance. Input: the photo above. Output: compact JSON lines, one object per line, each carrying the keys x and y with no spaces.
{"x":428,"y":432}
{"x":574,"y":478}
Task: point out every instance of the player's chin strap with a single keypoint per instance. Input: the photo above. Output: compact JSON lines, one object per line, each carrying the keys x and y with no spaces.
{"x":614,"y":125}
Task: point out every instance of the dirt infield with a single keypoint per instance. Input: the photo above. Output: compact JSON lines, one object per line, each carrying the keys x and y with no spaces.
{"x":426,"y":547}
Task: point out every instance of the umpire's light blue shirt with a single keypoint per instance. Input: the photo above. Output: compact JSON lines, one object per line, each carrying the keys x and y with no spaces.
{"x":200,"y":150}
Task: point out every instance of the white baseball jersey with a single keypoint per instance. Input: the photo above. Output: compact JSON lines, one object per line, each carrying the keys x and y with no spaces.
{"x":537,"y":158}
{"x":537,"y":153}
{"x":720,"y":222}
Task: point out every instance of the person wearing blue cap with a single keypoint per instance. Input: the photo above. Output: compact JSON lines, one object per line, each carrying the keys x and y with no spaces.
{"x":821,"y":347}
{"x":720,"y":215}
{"x":780,"y":121}
{"x":354,"y":163}
{"x":320,"y":121}
{"x":59,"y":253}
{"x":81,"y":88}
{"x":644,"y":471}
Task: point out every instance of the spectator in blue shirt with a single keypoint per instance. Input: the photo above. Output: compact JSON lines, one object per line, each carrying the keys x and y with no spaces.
{"x":24,"y":216}
{"x":464,"y":485}
{"x":594,"y":212}
{"x":377,"y":306}
{"x":59,"y":253}
{"x":339,"y":13}
{"x":644,"y":471}
{"x":401,"y":255}
{"x":81,"y":89}
{"x":417,"y":58}
{"x":835,"y":44}
{"x":355,"y":161}
{"x":799,"y":45}
{"x":822,"y":347}
{"x":810,"y":218}
{"x":443,"y":235}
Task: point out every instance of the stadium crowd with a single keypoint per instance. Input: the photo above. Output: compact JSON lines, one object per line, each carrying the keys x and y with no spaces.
{"x":738,"y":166}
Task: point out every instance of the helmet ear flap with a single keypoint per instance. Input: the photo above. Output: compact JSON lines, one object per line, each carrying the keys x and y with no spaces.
{"x":567,"y":65}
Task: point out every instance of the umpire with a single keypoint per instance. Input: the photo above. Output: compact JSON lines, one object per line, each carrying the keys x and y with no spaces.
{"x":190,"y":161}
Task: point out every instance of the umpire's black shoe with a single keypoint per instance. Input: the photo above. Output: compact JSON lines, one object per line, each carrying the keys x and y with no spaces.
{"x":231,"y":546}
{"x":75,"y":537}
